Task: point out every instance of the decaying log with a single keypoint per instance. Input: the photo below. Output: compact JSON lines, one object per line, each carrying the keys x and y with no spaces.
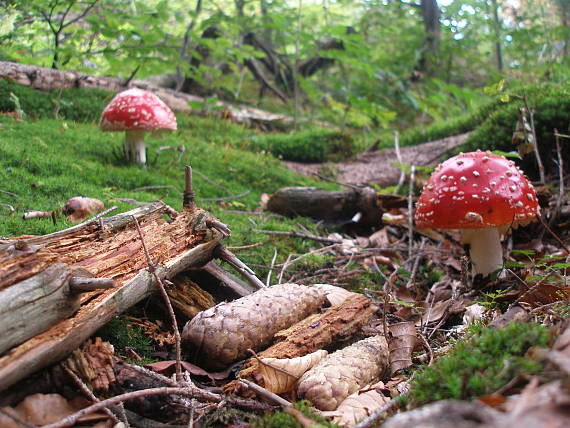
{"x":110,"y":248}
{"x":335,"y":206}
{"x":227,"y":280}
{"x":188,"y":298}
{"x":48,"y":79}
{"x":313,"y":333}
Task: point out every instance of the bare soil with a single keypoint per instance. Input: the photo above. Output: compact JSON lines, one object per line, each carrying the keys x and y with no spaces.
{"x":379,"y":167}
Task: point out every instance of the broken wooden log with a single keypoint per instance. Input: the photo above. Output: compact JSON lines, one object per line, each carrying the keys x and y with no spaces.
{"x":110,"y":248}
{"x":48,"y":79}
{"x":358,"y":204}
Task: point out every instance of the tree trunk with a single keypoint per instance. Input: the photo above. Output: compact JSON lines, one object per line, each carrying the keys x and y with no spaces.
{"x":497,"y":28}
{"x":110,"y":248}
{"x":430,"y":50}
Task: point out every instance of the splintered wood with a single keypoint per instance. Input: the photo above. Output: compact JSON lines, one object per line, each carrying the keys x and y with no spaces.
{"x":110,"y":248}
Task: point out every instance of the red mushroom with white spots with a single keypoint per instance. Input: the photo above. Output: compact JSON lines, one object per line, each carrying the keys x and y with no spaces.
{"x":482,"y":194}
{"x":136,"y":111}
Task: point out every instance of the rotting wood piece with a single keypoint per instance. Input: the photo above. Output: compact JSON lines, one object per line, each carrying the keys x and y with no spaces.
{"x":188,"y":298}
{"x":112,"y":251}
{"x":35,"y":305}
{"x":313,"y":333}
{"x":333,"y":206}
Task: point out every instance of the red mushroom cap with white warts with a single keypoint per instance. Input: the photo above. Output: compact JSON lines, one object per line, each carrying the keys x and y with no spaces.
{"x":137,"y":109}
{"x":476,"y":190}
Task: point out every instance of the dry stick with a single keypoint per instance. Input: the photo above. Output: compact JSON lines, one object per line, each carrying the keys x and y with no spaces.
{"x":227,"y":198}
{"x":138,"y":189}
{"x":219,"y":226}
{"x":556,"y":209}
{"x":88,"y":393}
{"x":212,"y":182}
{"x":411,"y":212}
{"x":270,"y":272}
{"x":16,"y":419}
{"x":428,"y":348}
{"x":224,"y":254}
{"x":290,"y":261}
{"x":300,"y":235}
{"x":245,"y":247}
{"x":188,"y":195}
{"x":73,"y":418}
{"x":265,"y":393}
{"x":67,"y":231}
{"x":554,"y":235}
{"x":9,"y":193}
{"x":399,"y":157}
{"x":8,"y":206}
{"x":535,"y":142}
{"x":152,"y":269}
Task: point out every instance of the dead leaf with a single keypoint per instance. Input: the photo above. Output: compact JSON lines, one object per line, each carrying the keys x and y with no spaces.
{"x":167,"y":368}
{"x":280,"y":375}
{"x":79,"y":208}
{"x":335,"y":295}
{"x":39,"y":410}
{"x":401,"y":343}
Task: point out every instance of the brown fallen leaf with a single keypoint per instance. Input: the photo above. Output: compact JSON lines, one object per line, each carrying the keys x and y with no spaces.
{"x":167,"y":368}
{"x":401,"y":344}
{"x":41,"y":409}
{"x":281,"y":374}
{"x":79,"y":208}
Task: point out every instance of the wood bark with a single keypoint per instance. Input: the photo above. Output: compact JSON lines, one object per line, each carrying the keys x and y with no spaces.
{"x":110,"y":248}
{"x":333,"y":206}
{"x":48,"y":79}
{"x":313,"y":333}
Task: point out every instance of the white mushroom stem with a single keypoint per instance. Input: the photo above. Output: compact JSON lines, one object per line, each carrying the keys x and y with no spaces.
{"x":134,"y":146}
{"x":484,"y":248}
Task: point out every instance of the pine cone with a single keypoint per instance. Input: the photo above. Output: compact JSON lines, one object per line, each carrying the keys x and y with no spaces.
{"x":345,"y":371}
{"x":223,"y":334}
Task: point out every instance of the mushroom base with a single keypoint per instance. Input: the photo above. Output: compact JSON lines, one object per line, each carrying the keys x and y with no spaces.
{"x":484,"y":248}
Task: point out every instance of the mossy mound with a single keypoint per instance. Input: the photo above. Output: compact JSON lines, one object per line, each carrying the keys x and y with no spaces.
{"x":77,"y":104}
{"x":311,"y":145}
{"x":481,"y":365}
{"x":493,"y":124}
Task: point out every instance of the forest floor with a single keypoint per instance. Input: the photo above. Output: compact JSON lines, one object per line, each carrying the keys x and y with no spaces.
{"x":380,"y":167}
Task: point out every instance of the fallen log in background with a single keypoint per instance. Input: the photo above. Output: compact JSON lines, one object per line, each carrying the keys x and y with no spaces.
{"x":48,"y":79}
{"x":334,"y":206}
{"x":110,"y":248}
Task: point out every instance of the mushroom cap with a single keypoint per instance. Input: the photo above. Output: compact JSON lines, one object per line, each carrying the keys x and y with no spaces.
{"x":137,"y":109}
{"x":476,"y":190}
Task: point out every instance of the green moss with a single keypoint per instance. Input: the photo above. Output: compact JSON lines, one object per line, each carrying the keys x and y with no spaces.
{"x":311,"y":145}
{"x":122,"y":333}
{"x":480,"y":365}
{"x":284,"y":420}
{"x":78,"y":104}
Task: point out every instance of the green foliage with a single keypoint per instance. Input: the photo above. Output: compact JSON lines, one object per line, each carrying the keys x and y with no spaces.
{"x":78,"y":104}
{"x":312,"y":145}
{"x":481,"y":365}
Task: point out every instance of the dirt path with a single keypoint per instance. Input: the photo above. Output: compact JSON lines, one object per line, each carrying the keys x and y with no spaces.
{"x":378,"y":167}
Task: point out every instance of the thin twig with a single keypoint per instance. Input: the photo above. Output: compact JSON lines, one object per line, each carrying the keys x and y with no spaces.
{"x":428,"y":348}
{"x":290,"y":260}
{"x":88,"y":393}
{"x":300,"y":235}
{"x":16,"y":419}
{"x":554,"y":235}
{"x":227,"y":198}
{"x":265,"y":393}
{"x":535,"y":142}
{"x":9,"y":193}
{"x":271,"y":267}
{"x":152,"y":269}
{"x":224,"y":254}
{"x":245,"y":247}
{"x":411,"y":212}
{"x":373,"y":419}
{"x":560,"y":198}
{"x":189,"y":392}
{"x":399,"y":157}
{"x":138,"y":189}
